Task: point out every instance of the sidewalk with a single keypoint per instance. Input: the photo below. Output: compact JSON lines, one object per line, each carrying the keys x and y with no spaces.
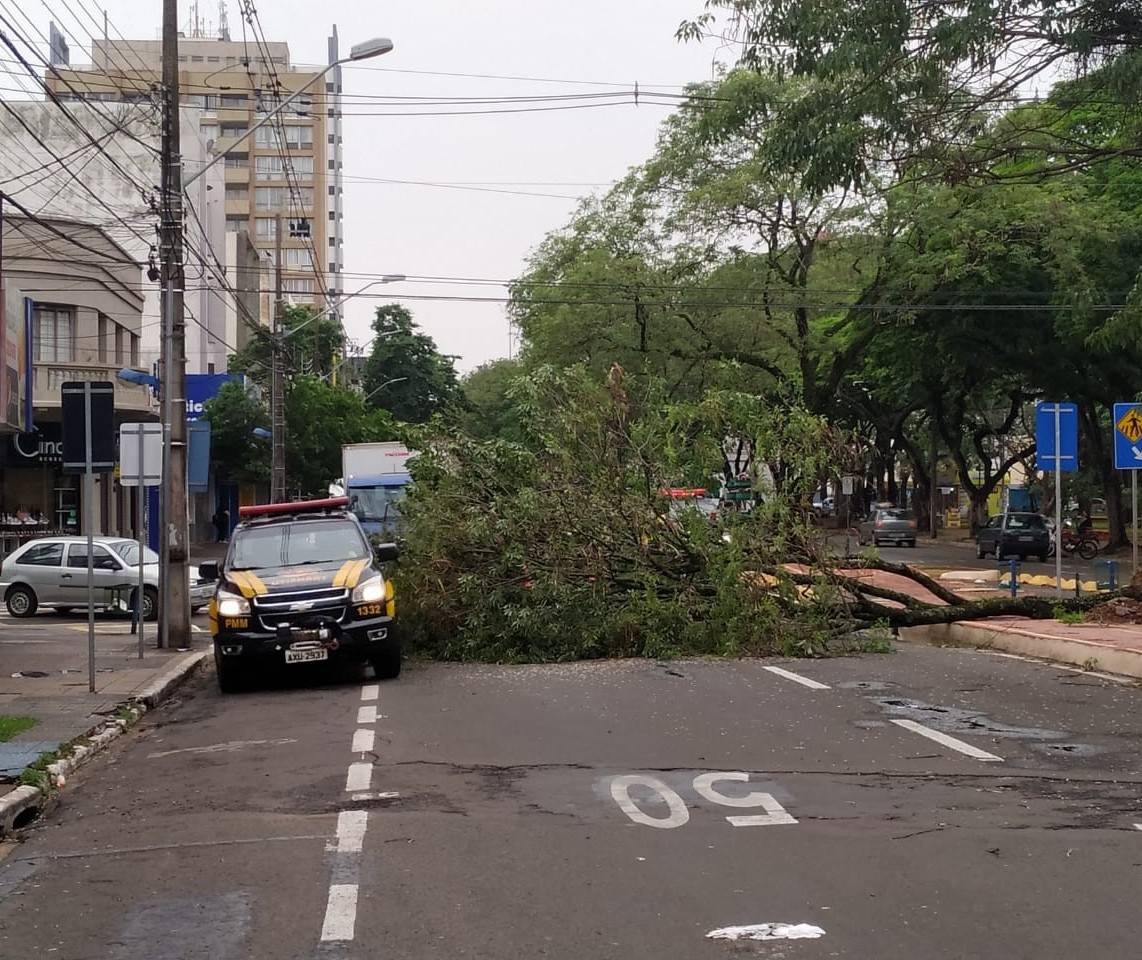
{"x":44,"y":676}
{"x":1111,"y":647}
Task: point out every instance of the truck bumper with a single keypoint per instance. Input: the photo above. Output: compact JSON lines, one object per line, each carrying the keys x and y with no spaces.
{"x":359,"y":641}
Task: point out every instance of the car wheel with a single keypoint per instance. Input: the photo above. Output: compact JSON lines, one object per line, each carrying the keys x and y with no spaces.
{"x":150,"y":603}
{"x":21,"y":601}
{"x":980,"y":553}
{"x":912,"y":544}
{"x":231,"y":673}
{"x":386,"y":662}
{"x":999,"y":557}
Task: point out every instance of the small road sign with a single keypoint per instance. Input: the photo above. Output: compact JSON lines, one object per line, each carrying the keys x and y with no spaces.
{"x":1128,"y":436}
{"x":1059,"y":420}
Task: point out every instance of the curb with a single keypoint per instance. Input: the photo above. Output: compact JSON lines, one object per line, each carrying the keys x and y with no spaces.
{"x":26,"y":803}
{"x":1069,"y":650}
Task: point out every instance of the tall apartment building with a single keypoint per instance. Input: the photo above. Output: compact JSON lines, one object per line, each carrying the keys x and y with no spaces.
{"x":288,"y":167}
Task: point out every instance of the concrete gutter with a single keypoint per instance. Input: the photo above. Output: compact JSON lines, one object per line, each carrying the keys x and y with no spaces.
{"x":26,"y":803}
{"x":1028,"y":643}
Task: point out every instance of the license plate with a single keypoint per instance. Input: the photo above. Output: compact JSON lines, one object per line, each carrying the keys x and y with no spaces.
{"x":306,"y":656}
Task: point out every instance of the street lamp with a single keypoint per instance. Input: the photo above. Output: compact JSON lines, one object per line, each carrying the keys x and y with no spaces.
{"x":373,"y":393}
{"x":277,"y":384}
{"x":175,"y":613}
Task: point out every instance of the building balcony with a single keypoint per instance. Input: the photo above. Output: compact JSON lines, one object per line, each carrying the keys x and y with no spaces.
{"x":48,"y":380}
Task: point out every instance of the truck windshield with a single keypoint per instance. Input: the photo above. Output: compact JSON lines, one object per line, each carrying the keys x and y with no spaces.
{"x":293,"y":544}
{"x":375,"y":504}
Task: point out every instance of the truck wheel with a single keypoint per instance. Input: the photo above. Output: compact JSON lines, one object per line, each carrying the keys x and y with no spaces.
{"x":231,"y":675}
{"x":386,"y":662}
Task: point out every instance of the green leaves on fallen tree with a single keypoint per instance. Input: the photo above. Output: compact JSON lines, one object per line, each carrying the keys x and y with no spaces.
{"x":564,"y":547}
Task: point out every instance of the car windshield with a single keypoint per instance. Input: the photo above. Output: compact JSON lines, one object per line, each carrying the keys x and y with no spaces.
{"x":294,"y":544}
{"x":1025,"y":521}
{"x":896,"y":514}
{"x":376,"y":504}
{"x":129,"y":551}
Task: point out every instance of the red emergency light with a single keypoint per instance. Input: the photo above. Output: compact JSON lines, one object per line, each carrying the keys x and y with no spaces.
{"x":297,"y":506}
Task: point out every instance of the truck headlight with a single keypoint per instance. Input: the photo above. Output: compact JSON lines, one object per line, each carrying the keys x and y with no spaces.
{"x":371,"y":591}
{"x":232,"y":605}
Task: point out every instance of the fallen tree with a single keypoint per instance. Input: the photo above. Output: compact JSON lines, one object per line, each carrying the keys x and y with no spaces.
{"x":564,"y":546}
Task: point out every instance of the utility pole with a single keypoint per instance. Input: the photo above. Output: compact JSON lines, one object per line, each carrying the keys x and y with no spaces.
{"x":174,"y":605}
{"x":277,"y":387}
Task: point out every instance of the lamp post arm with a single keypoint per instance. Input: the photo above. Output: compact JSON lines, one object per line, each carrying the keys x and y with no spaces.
{"x":270,"y":115}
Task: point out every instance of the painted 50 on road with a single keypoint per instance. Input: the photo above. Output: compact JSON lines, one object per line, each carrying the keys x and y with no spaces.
{"x":650,"y":802}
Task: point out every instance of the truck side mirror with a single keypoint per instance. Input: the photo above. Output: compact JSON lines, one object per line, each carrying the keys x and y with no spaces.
{"x":208,"y":570}
{"x":384,"y":552}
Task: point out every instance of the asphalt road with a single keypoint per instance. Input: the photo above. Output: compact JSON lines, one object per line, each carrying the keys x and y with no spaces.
{"x":609,"y":810}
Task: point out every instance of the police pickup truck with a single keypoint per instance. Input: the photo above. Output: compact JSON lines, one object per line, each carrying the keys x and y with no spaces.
{"x":301,"y":584}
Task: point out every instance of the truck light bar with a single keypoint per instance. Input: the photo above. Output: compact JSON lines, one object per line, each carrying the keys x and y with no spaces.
{"x":297,"y":506}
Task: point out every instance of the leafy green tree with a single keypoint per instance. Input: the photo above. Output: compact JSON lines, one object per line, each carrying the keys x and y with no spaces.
{"x":404,"y":373}
{"x":488,"y":409}
{"x":310,"y":344}
{"x":319,"y":419}
{"x":235,"y":455}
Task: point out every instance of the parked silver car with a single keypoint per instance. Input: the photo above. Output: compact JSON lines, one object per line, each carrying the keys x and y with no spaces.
{"x":888,"y":524}
{"x":52,"y":572}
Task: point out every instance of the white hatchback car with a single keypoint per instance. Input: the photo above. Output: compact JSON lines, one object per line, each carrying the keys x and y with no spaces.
{"x":52,"y":572}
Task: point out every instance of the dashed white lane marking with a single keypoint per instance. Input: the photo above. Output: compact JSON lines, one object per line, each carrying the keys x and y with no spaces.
{"x":1138,"y":826}
{"x":363,"y":740}
{"x":360,"y":777}
{"x":340,"y":912}
{"x":950,"y":742}
{"x":370,"y":691}
{"x":351,"y":830}
{"x":797,"y":678}
{"x":1066,"y":667}
{"x":367,"y":714}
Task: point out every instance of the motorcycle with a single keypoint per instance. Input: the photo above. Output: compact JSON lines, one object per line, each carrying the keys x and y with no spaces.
{"x":1073,"y":542}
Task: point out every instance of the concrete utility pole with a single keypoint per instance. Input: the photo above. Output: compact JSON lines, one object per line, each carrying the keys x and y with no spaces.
{"x":277,"y":385}
{"x":174,"y":595}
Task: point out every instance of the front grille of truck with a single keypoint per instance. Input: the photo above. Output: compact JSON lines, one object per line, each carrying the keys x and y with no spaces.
{"x":325,"y":603}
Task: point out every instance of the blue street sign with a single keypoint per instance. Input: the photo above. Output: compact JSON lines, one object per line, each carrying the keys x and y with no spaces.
{"x":1067,"y":457}
{"x":1128,"y":436}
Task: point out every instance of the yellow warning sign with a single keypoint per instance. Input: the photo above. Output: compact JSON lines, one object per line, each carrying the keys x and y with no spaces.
{"x":1130,"y":425}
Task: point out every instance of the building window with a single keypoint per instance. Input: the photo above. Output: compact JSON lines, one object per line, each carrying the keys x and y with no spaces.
{"x":294,"y":136}
{"x":267,"y":228}
{"x":237,"y":224}
{"x":332,"y":191}
{"x":194,"y":59}
{"x":121,"y":347}
{"x":53,"y":334}
{"x":297,"y":285}
{"x":209,"y":131}
{"x":233,"y":129}
{"x":269,"y":168}
{"x":303,"y":167}
{"x":237,"y":194}
{"x":296,"y":257}
{"x":104,"y":328}
{"x":237,"y":161}
{"x":233,"y":100}
{"x":299,"y":229}
{"x":213,"y":59}
{"x":279,"y":198}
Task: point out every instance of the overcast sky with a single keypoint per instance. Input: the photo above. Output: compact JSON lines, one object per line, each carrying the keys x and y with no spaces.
{"x":586,"y":47}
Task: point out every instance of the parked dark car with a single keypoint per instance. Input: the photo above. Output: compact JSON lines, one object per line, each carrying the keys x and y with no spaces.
{"x":1020,"y":535}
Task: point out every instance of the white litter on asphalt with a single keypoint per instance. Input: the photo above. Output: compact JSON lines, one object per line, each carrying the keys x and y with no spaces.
{"x":953,"y":743}
{"x":768,"y":931}
{"x":797,"y":678}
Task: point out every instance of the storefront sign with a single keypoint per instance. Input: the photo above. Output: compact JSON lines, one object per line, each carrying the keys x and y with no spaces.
{"x":201,"y":387}
{"x":42,"y":445}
